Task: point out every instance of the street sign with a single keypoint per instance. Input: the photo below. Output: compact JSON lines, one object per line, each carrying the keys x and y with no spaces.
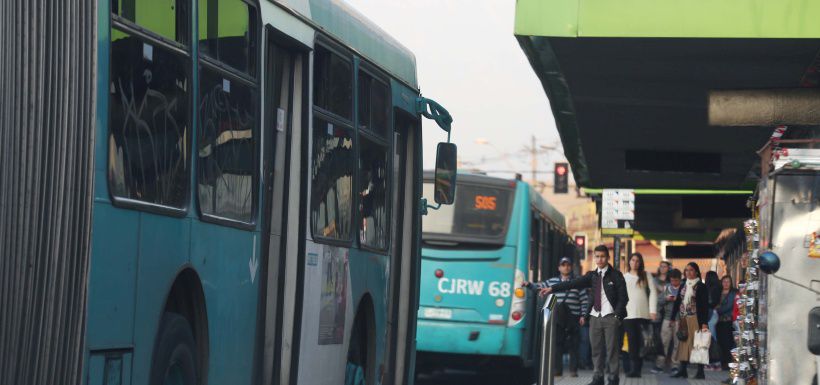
{"x":618,"y":212}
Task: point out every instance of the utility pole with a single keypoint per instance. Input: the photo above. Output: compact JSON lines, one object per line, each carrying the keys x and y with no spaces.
{"x":534,"y":154}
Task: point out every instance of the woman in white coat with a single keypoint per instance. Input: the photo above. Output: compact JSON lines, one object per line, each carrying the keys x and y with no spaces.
{"x":641,"y":308}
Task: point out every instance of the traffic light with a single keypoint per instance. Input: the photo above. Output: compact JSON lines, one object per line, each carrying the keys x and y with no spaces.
{"x":561,"y":172}
{"x":581,"y":245}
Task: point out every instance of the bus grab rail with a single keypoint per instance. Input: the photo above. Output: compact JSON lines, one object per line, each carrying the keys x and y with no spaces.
{"x":545,"y":367}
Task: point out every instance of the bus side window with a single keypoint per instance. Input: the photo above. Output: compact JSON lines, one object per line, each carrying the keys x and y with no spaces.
{"x":373,"y":118}
{"x":150,"y":113}
{"x":333,"y":158}
{"x":227,"y":145}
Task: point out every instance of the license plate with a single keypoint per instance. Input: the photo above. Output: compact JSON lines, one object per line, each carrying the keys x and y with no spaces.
{"x":438,"y":313}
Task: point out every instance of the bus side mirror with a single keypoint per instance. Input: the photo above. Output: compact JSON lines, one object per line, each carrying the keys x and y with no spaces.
{"x":446,"y":167}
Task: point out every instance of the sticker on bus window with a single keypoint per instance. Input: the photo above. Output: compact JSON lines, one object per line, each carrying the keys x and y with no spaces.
{"x":485,"y":202}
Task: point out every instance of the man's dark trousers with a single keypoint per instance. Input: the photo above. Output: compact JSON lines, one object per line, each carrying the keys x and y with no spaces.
{"x":604,"y":333}
{"x":567,"y":343}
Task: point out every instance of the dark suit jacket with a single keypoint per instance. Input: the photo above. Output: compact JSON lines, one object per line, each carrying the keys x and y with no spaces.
{"x":614,"y":289}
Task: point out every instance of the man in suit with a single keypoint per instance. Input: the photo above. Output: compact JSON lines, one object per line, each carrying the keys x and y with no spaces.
{"x":605,"y":313}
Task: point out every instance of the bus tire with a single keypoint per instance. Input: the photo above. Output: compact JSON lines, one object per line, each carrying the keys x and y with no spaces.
{"x":174,"y":358}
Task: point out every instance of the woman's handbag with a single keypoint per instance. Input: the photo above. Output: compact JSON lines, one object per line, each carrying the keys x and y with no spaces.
{"x":683,"y":331}
{"x":700,"y":348}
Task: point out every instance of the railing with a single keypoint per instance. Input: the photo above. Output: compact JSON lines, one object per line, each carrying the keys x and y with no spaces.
{"x":545,"y":374}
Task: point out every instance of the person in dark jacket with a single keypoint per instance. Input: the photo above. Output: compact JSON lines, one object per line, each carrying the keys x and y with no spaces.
{"x":692,"y":311}
{"x":605,"y":314}
{"x":725,"y":328}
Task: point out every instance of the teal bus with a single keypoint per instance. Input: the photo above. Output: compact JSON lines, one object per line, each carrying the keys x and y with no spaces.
{"x":473,"y":312}
{"x":208,"y":192}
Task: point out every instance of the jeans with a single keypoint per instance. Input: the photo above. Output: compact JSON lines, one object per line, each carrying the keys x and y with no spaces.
{"x":584,"y":348}
{"x":566,"y":343}
{"x":670,"y":343}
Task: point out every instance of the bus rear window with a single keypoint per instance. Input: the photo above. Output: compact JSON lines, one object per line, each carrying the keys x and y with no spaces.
{"x":479,"y":214}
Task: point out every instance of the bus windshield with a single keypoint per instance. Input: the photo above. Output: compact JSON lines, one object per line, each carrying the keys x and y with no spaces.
{"x":479,"y":214}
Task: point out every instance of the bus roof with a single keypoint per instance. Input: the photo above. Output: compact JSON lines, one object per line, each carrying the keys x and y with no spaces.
{"x":342,"y":22}
{"x":547,"y":209}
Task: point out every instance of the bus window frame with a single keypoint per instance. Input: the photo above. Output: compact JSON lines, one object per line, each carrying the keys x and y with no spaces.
{"x":386,"y":142}
{"x":251,"y":80}
{"x":186,"y":52}
{"x":331,"y":117}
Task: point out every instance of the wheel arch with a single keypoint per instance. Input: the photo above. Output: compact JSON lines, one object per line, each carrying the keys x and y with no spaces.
{"x":187,"y":298}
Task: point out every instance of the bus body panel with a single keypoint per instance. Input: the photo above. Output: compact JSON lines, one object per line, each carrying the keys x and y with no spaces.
{"x":454,"y":337}
{"x":228,"y":261}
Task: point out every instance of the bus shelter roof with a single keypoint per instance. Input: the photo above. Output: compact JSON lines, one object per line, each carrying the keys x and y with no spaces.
{"x":628,"y":82}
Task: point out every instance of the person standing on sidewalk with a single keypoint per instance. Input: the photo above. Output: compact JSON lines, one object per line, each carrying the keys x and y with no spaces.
{"x":660,"y":279}
{"x":605,"y":314}
{"x":669,"y":341}
{"x":568,"y":316}
{"x":725,"y":325}
{"x":642,"y":307}
{"x":692,"y":308}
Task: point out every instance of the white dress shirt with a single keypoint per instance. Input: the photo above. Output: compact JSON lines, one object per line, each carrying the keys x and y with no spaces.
{"x":606,"y":307}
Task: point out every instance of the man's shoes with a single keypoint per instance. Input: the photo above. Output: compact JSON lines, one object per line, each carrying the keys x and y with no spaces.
{"x":633,"y":375}
{"x":597,"y":381}
{"x":573,"y":374}
{"x":613,"y":380}
{"x":656,"y":370}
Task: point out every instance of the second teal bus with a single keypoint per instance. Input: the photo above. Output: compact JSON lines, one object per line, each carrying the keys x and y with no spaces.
{"x":475,"y":255}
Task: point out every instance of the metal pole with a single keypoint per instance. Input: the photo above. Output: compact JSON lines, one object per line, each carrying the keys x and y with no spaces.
{"x":628,"y":251}
{"x":545,"y":370}
{"x":534,"y":153}
{"x":616,"y":250}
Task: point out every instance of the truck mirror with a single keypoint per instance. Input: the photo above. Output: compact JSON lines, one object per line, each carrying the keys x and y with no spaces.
{"x":446,"y":168}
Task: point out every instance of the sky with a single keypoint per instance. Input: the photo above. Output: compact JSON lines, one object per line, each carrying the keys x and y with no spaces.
{"x":469,"y":61}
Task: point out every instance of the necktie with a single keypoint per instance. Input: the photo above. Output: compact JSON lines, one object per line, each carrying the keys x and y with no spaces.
{"x":596,"y":293}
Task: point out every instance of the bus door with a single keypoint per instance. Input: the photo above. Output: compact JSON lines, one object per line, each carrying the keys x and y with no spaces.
{"x":282,"y":106}
{"x":400,"y":319}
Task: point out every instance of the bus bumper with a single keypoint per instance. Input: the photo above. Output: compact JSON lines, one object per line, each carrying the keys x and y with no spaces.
{"x":468,"y":338}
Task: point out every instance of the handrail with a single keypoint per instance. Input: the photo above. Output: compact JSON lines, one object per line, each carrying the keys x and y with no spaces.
{"x":545,"y":374}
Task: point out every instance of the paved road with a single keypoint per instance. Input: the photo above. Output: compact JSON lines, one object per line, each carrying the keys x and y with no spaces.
{"x":471,"y":378}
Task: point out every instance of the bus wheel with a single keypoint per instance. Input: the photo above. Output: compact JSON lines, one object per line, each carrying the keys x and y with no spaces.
{"x":174,"y":358}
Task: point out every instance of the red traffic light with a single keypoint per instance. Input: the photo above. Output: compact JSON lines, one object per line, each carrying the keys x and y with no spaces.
{"x":560,"y":170}
{"x":580,"y":240}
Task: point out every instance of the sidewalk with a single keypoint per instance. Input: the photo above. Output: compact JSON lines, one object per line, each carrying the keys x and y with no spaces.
{"x":584,"y":378}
